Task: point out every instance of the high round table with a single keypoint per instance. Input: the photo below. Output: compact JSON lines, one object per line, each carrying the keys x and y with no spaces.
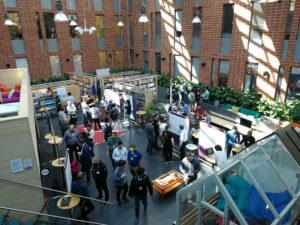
{"x":192,"y":148}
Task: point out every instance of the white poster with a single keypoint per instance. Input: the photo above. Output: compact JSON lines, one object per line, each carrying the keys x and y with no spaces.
{"x":112,"y":95}
{"x":209,"y":136}
{"x":174,"y":121}
{"x":68,"y":173}
{"x":61,"y":91}
{"x":103,"y":72}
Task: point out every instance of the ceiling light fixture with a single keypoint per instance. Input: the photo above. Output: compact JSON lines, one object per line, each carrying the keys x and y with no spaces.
{"x":143,"y":17}
{"x":90,"y":30}
{"x":8,"y":21}
{"x":120,"y":23}
{"x":73,"y":22}
{"x":197,"y":19}
{"x":60,"y":16}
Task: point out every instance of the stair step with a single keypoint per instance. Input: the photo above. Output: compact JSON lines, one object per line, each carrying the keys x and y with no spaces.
{"x":14,"y":222}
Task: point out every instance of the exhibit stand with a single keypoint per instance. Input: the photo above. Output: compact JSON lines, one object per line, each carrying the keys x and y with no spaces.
{"x":260,"y":185}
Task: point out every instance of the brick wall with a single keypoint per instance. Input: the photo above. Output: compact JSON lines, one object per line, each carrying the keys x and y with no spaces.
{"x":269,"y":57}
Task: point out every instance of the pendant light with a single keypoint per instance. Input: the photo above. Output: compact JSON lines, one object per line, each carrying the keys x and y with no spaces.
{"x":73,"y":22}
{"x":60,"y":16}
{"x":197,"y":19}
{"x":90,"y":30}
{"x":120,"y":23}
{"x":8,"y":21}
{"x":143,"y":17}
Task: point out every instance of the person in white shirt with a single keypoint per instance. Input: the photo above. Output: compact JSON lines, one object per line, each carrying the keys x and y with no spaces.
{"x":195,"y":134}
{"x":119,"y":153}
{"x":162,"y":126}
{"x":90,"y":133}
{"x":219,"y":156}
{"x":85,"y":110}
{"x":71,"y":98}
{"x":207,"y":117}
{"x":205,"y":95}
{"x":95,"y":115}
{"x":183,"y":140}
{"x":72,"y":112}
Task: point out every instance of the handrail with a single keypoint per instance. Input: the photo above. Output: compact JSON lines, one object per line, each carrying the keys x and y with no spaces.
{"x":49,"y":215}
{"x":50,"y":189}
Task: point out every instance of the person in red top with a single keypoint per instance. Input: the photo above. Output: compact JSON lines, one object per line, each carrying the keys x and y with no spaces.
{"x":200,"y":112}
{"x":74,"y":168}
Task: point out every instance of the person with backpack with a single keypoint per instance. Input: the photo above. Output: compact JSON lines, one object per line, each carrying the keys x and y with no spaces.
{"x":115,"y":117}
{"x":107,"y":128}
{"x":139,"y":187}
{"x":95,"y":115}
{"x":168,"y":142}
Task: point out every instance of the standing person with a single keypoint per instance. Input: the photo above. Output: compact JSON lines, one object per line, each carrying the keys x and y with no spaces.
{"x":192,"y":100}
{"x":134,"y":159}
{"x":95,"y":115}
{"x":120,"y":153}
{"x":220,"y":156}
{"x":183,"y":139}
{"x":71,"y":98}
{"x":99,"y":172}
{"x":207,"y":117}
{"x":205,"y":95}
{"x":85,"y":110}
{"x":90,"y":133}
{"x":190,"y":167}
{"x":197,"y":98}
{"x":115,"y":117}
{"x":232,"y":137}
{"x":71,"y":138}
{"x":85,"y":160}
{"x":120,"y":181}
{"x":107,"y":128}
{"x":58,"y":105}
{"x":185,"y":108}
{"x":139,"y":186}
{"x":103,"y":105}
{"x":128,"y":112}
{"x":182,"y":90}
{"x":63,"y":121}
{"x":156,"y":132}
{"x":162,"y":126}
{"x":112,"y":143}
{"x":168,"y":142}
{"x":195,"y":134}
{"x":248,"y":139}
{"x":72,"y":113}
{"x":150,"y":136}
{"x":80,"y":188}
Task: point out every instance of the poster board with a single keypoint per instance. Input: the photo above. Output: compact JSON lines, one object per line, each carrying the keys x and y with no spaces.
{"x":174,"y":121}
{"x":103,"y":72}
{"x":61,"y":91}
{"x":209,"y":136}
{"x":111,"y":95}
{"x":68,"y":173}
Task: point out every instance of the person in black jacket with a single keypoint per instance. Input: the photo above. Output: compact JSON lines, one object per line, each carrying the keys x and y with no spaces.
{"x":248,"y":139}
{"x":156,"y":132}
{"x":99,"y":172}
{"x":138,"y":189}
{"x":128,"y":112}
{"x":167,"y":141}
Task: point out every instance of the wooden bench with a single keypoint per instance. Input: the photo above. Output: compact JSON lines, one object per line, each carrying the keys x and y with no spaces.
{"x":191,"y":217}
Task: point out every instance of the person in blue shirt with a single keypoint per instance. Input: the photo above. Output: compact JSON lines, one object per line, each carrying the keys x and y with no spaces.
{"x":232,"y":137}
{"x":134,"y":159}
{"x":80,"y":188}
{"x":120,"y":181}
{"x":185,"y":108}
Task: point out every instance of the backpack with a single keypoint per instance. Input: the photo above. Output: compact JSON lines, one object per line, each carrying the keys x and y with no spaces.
{"x":114,"y":114}
{"x":108,"y":131}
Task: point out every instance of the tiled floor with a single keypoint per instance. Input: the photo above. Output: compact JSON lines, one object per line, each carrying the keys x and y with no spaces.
{"x":161,"y":211}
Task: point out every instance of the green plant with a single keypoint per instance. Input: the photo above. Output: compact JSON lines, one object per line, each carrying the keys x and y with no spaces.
{"x":163,"y":80}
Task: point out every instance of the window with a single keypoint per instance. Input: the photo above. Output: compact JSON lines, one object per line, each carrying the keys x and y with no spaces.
{"x":71,"y":4}
{"x":250,"y":78}
{"x":46,"y":4}
{"x":73,"y":32}
{"x":196,"y":30}
{"x":38,"y":24}
{"x":279,"y":83}
{"x":100,"y":31}
{"x":178,"y":3}
{"x":296,"y":56}
{"x":145,"y":35}
{"x":10,"y":3}
{"x":102,"y":60}
{"x":177,"y":64}
{"x":118,"y":33}
{"x":157,"y":29}
{"x":157,"y":4}
{"x":129,"y":2}
{"x":131,"y":56}
{"x":146,"y":62}
{"x":158,"y":62}
{"x":55,"y":65}
{"x":131,"y":40}
{"x":49,"y":26}
{"x":16,"y":33}
{"x":117,"y":5}
{"x":98,"y":5}
{"x":77,"y":60}
{"x":21,"y":63}
{"x":223,"y":73}
{"x":178,"y":23}
{"x":226,"y":29}
{"x":293,"y":90}
{"x":195,"y":69}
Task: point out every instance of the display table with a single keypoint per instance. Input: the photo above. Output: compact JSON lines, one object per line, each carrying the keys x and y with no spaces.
{"x":60,"y":162}
{"x":73,"y":202}
{"x":167,"y":182}
{"x":192,"y":148}
{"x":55,"y":140}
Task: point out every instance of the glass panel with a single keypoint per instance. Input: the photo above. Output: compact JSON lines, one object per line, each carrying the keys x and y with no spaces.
{"x":55,"y":65}
{"x":131,"y":39}
{"x":49,"y":25}
{"x":250,"y":80}
{"x":146,"y":61}
{"x":18,"y":46}
{"x":157,"y":29}
{"x":73,"y":32}
{"x":100,"y":31}
{"x":75,"y":44}
{"x":42,"y":45}
{"x":157,"y":4}
{"x":131,"y":56}
{"x":102,"y":60}
{"x":177,"y":65}
{"x":98,"y":5}
{"x":15,"y":31}
{"x":38,"y":24}
{"x":10,"y":3}
{"x":158,"y":62}
{"x":71,"y":4}
{"x":119,"y":59}
{"x":195,"y":69}
{"x":118,"y":33}
{"x":21,"y":63}
{"x":178,"y":20}
{"x":293,"y":90}
{"x":52,"y":45}
{"x":46,"y":4}
{"x":223,"y":73}
{"x":129,"y":5}
{"x":117,"y":5}
{"x":196,"y":31}
{"x":279,"y":83}
{"x":296,"y":56}
{"x":225,"y":44}
{"x":178,"y":3}
{"x":77,"y":60}
{"x":285,"y":49}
